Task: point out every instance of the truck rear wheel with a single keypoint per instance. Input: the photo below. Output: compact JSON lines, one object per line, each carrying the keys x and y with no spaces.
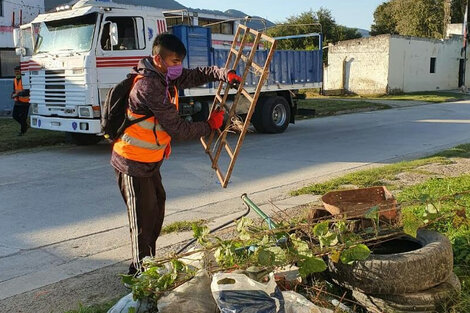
{"x":84,"y":139}
{"x":272,"y":115}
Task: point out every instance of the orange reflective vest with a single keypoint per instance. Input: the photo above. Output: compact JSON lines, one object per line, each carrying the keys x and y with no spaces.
{"x":18,"y":88}
{"x":145,"y":141}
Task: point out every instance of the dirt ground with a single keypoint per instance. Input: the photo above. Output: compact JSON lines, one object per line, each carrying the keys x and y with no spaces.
{"x":104,"y":285}
{"x":459,"y":166}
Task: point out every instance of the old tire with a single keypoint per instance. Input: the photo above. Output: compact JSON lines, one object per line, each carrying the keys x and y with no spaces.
{"x":399,"y":273}
{"x":272,"y":115}
{"x":84,"y":139}
{"x":429,"y":300}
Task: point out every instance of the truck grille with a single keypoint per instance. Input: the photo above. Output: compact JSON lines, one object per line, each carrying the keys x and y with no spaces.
{"x":57,"y":88}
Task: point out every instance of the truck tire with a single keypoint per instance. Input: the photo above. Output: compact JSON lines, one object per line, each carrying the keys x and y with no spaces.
{"x":84,"y":139}
{"x":272,"y":115}
{"x":202,"y":115}
{"x":399,"y":273}
{"x":429,"y":300}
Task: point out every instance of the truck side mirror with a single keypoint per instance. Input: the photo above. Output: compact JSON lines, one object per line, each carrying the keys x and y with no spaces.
{"x":16,"y":37}
{"x":113,"y":34}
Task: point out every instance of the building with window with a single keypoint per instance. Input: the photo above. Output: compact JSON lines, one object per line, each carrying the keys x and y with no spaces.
{"x":13,"y":13}
{"x":394,"y":64}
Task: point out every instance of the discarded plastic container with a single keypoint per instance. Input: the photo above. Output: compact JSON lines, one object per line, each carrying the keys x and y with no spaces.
{"x":356,"y":202}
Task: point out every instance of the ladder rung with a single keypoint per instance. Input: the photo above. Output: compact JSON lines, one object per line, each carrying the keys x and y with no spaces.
{"x":219,"y":98}
{"x":229,"y":150}
{"x":257,"y":67}
{"x":247,"y":95}
{"x":234,"y":51}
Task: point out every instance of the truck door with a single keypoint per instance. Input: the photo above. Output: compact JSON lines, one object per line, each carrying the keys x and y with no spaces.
{"x":113,"y":63}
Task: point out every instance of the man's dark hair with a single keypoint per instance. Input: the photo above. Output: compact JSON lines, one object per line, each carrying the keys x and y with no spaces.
{"x":167,"y":43}
{"x":17,"y":68}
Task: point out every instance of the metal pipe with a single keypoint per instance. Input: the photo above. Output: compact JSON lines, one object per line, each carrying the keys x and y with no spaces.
{"x":255,"y":208}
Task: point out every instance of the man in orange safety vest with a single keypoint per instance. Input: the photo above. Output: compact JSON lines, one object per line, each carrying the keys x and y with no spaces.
{"x":21,"y":98}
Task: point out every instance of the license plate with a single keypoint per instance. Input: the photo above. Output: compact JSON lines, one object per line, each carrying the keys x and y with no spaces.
{"x":55,"y":124}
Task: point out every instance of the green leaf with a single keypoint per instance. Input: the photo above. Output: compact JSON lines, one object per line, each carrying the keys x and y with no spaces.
{"x":311,"y":265}
{"x":372,"y":213}
{"x":128,"y":279}
{"x":411,"y":223}
{"x":355,"y":253}
{"x":200,"y":233}
{"x":131,"y":310}
{"x":280,"y":257}
{"x":341,"y":226}
{"x":328,"y":240}
{"x":350,"y":239}
{"x":266,"y":257}
{"x":321,"y":229}
{"x":243,"y":224}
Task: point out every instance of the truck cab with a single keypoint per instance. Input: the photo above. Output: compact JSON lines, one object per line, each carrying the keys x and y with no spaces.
{"x":79,"y":54}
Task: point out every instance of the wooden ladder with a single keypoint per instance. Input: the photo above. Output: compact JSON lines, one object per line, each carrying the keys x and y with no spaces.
{"x":236,"y":51}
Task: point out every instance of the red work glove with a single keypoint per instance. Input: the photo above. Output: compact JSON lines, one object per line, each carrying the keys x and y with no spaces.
{"x":233,"y":79}
{"x":216,"y":119}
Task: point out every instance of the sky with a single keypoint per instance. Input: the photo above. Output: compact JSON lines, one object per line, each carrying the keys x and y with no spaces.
{"x":351,"y":13}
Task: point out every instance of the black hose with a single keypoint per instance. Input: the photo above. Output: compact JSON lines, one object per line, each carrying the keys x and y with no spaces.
{"x":215,"y":229}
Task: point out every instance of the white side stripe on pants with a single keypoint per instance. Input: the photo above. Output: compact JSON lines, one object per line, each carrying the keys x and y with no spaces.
{"x":131,"y":204}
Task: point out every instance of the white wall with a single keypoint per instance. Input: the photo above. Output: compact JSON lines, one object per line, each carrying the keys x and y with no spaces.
{"x":358,"y":66}
{"x":30,"y":9}
{"x":410,"y":61}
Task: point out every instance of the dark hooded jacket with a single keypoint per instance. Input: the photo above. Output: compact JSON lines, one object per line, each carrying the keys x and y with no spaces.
{"x":150,"y":94}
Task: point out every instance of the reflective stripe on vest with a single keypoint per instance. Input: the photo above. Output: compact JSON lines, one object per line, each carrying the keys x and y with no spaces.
{"x":145,"y":141}
{"x":18,"y":88}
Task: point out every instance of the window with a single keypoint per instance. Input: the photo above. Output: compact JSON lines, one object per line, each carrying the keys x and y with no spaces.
{"x":130,"y":33}
{"x":8,"y":61}
{"x":72,"y":34}
{"x":173,"y":20}
{"x":1,"y":7}
{"x":432,"y":69}
{"x":225,"y":28}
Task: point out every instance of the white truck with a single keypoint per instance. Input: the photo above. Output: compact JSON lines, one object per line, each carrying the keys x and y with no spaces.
{"x":80,"y":52}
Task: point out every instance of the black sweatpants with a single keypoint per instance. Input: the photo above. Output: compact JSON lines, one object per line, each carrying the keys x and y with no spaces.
{"x":20,"y":114}
{"x":145,"y":200}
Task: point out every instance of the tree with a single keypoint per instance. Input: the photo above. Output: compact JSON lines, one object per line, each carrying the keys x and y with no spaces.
{"x":311,"y":22}
{"x":457,"y":10}
{"x":384,"y":20}
{"x":421,"y":18}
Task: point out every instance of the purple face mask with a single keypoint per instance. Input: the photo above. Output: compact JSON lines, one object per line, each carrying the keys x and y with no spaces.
{"x":173,"y":72}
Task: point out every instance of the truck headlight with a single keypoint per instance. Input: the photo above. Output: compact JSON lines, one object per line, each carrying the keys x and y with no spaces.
{"x":85,"y":111}
{"x":34,"y":108}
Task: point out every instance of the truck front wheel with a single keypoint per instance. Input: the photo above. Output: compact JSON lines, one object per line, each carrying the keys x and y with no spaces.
{"x":84,"y":139}
{"x":272,"y":115}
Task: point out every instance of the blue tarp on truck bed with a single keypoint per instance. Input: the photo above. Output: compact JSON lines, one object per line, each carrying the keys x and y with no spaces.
{"x":288,"y":67}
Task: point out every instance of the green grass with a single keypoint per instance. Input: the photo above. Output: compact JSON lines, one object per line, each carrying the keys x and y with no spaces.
{"x":426,"y":96}
{"x":377,"y":176}
{"x":181,"y":226}
{"x":332,"y":107}
{"x":430,"y":96}
{"x":10,"y":141}
{"x":455,"y":227}
{"x":97,"y":308}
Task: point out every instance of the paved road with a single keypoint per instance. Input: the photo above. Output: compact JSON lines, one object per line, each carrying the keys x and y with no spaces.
{"x":62,"y":215}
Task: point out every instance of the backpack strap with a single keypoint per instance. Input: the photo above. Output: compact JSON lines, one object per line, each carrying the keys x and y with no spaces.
{"x":128,"y":122}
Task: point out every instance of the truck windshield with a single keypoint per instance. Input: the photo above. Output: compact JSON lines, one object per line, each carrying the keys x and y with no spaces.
{"x":73,"y":34}
{"x":27,"y":41}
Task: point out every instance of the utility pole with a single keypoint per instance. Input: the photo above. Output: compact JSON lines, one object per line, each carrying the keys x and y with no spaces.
{"x":464,"y":32}
{"x":447,"y":16}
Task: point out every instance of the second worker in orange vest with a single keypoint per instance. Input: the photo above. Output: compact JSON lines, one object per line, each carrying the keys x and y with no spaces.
{"x":139,"y":152}
{"x":21,"y":98}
